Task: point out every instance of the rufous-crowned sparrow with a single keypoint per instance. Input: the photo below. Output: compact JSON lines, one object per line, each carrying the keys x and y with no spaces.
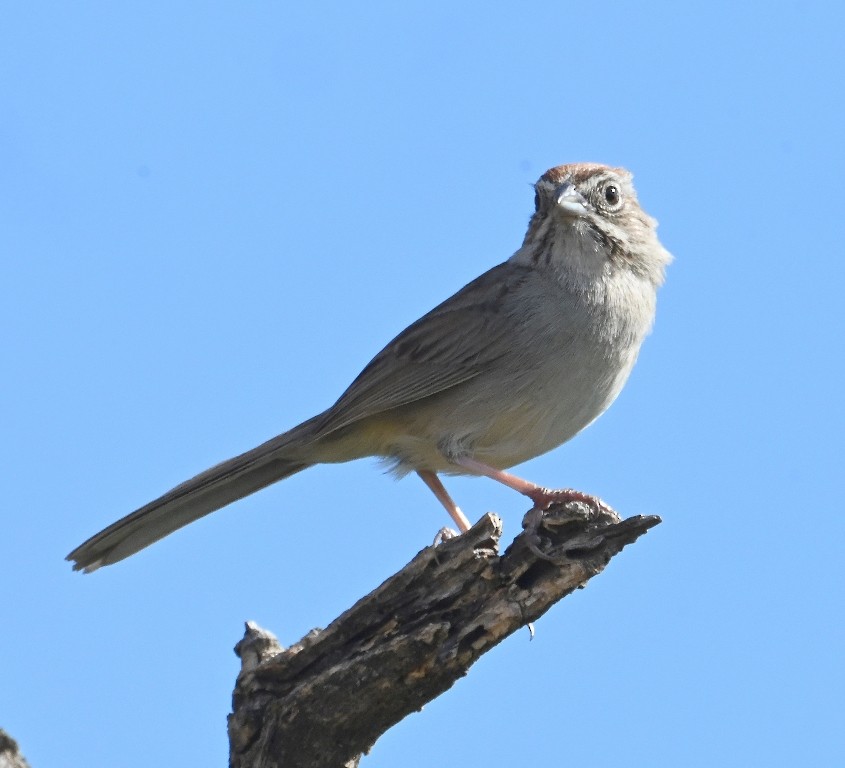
{"x":511,"y":366}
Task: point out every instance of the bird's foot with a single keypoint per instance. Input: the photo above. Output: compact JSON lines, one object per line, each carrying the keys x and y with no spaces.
{"x":444,"y":534}
{"x":544,"y":498}
{"x":559,"y":510}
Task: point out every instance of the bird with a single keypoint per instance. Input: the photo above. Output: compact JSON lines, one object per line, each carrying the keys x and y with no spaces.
{"x":514,"y":364}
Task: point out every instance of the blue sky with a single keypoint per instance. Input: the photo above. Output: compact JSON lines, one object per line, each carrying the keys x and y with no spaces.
{"x":213,"y":214}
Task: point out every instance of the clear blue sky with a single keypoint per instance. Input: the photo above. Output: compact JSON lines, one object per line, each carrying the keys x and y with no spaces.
{"x":213,"y":214}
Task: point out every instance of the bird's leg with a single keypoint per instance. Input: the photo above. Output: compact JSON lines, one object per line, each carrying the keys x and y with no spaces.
{"x":433,"y":481}
{"x":542,"y":497}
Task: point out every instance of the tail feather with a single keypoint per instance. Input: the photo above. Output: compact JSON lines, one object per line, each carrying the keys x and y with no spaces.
{"x":209,"y":491}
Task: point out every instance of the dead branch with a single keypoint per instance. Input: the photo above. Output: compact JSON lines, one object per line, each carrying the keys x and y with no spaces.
{"x":323,"y":702}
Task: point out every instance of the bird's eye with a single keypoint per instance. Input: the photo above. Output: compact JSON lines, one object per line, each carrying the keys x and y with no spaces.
{"x":611,"y":195}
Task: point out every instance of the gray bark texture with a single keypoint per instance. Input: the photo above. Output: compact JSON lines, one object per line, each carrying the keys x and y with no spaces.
{"x":323,"y":702}
{"x":10,"y":755}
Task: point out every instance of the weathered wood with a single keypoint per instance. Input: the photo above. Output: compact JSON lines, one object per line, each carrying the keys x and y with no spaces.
{"x":323,"y":702}
{"x":10,"y":755}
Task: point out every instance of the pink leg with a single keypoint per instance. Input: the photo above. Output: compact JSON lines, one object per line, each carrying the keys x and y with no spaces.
{"x":437,"y":488}
{"x":542,"y":497}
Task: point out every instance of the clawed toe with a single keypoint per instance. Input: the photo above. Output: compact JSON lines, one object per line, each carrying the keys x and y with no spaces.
{"x":543,"y":498}
{"x":444,"y":534}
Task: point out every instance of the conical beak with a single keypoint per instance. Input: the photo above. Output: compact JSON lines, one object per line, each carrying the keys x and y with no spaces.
{"x":570,"y":201}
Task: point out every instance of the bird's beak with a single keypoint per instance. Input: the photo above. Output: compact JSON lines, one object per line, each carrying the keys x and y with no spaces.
{"x":570,"y":201}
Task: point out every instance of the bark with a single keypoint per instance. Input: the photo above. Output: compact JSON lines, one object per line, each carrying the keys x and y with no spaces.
{"x":323,"y":702}
{"x":10,"y":755}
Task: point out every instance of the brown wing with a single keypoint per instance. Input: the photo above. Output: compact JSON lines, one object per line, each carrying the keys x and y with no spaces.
{"x":450,"y":345}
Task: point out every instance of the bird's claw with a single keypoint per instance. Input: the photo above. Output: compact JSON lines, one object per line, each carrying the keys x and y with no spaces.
{"x":544,"y":498}
{"x":444,"y":534}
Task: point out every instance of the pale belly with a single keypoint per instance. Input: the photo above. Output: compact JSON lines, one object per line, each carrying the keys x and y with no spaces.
{"x":504,"y":425}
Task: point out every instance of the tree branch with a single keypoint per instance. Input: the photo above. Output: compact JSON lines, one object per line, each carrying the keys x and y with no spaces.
{"x":10,"y":755}
{"x":323,"y":702}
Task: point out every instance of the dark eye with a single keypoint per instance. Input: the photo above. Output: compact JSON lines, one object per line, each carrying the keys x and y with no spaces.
{"x":536,"y":200}
{"x":611,"y":194}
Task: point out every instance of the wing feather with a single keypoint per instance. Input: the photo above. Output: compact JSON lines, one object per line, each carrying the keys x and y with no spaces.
{"x":455,"y":342}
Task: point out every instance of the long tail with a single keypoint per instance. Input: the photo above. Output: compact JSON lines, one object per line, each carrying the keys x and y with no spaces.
{"x":209,"y":491}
